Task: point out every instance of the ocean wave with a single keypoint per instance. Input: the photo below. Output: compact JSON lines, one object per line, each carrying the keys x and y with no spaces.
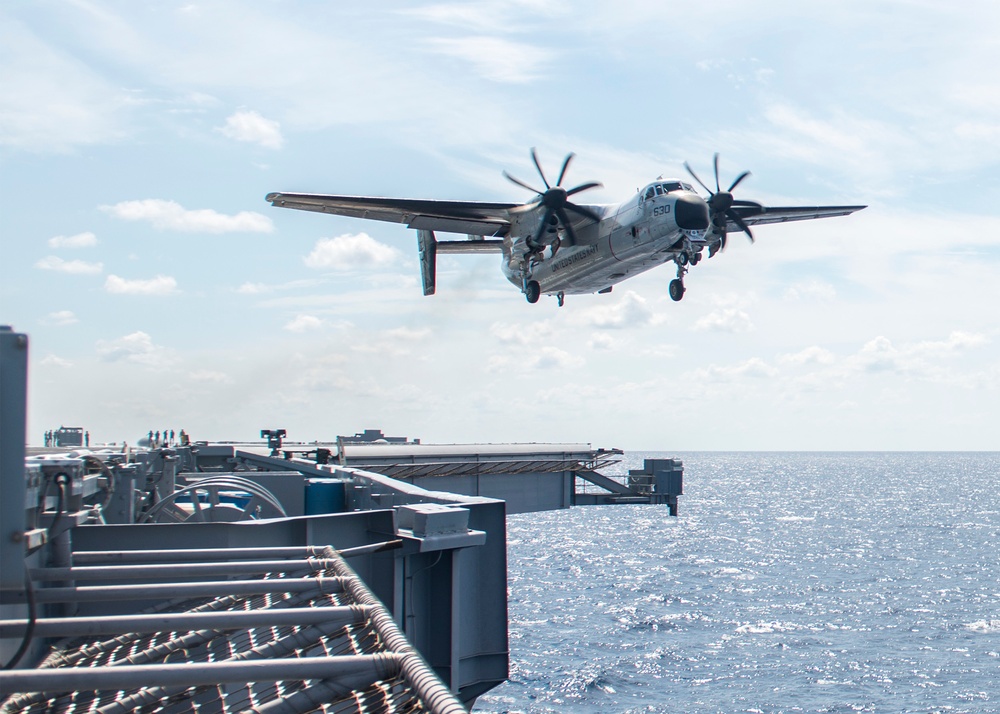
{"x":765,"y":628}
{"x":984,"y":626}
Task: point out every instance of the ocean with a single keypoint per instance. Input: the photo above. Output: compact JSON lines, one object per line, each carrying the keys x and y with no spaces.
{"x":790,"y":582}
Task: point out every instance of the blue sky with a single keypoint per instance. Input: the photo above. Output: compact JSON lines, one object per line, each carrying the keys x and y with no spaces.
{"x":137,"y":142}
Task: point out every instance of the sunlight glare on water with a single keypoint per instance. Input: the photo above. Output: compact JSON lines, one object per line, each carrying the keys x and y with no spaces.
{"x":791,"y":582}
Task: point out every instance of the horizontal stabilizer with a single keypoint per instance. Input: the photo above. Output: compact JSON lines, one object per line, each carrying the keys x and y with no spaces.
{"x":470,"y":246}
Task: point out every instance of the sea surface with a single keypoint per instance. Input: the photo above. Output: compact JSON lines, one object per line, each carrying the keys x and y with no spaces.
{"x":790,"y":582}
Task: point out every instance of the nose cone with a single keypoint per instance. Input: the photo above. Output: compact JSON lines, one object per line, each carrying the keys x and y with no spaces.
{"x":691,"y":213}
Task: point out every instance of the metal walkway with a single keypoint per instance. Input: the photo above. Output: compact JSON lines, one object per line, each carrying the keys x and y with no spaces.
{"x":297,"y":634}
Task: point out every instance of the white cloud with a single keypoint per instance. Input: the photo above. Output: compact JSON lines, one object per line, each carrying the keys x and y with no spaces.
{"x":630,"y":311}
{"x":810,"y":355}
{"x":601,"y":341}
{"x":396,"y":342}
{"x":136,"y":347}
{"x":80,"y":240}
{"x":753,"y":367}
{"x":252,"y":288}
{"x":498,"y":363}
{"x":957,"y":341}
{"x":489,"y":17}
{"x":537,"y":357}
{"x":61,"y":318}
{"x":160,"y":285}
{"x":917,"y":359}
{"x":662,"y":351}
{"x":170,"y":215}
{"x":880,"y":355}
{"x":554,"y":358}
{"x":350,"y":251}
{"x":520,"y":334}
{"x":73,"y":267}
{"x":811,"y":290}
{"x":726,"y":319}
{"x":494,"y":58}
{"x":251,"y":127}
{"x":249,"y":288}
{"x":409,"y":334}
{"x":53,"y":361}
{"x":304,"y":323}
{"x":207,"y":375}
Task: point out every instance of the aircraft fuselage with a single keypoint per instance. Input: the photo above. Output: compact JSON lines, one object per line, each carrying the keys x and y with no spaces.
{"x":631,"y":238}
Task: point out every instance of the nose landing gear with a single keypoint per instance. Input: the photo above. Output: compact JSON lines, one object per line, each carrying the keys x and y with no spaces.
{"x":677,"y":288}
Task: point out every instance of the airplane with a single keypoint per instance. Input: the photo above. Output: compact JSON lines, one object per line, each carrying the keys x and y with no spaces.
{"x":553,"y":246}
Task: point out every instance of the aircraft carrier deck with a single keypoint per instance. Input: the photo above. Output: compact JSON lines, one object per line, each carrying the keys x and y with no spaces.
{"x":268,"y":577}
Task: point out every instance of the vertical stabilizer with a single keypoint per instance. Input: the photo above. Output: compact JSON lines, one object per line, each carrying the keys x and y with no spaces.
{"x":427,"y":246}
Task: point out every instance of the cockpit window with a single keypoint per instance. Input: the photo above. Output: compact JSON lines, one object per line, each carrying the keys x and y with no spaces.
{"x":662,"y":189}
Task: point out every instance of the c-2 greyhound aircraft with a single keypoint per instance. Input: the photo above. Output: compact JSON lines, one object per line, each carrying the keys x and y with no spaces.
{"x":553,"y":246}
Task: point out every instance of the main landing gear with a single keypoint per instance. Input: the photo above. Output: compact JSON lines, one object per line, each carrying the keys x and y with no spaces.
{"x":533,"y":291}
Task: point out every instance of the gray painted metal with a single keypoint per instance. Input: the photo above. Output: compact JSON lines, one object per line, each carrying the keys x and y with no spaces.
{"x":606,"y":483}
{"x":427,"y":252}
{"x":270,"y":662}
{"x":175,"y":570}
{"x":368,"y":668}
{"x":171,"y":622}
{"x":184,"y":555}
{"x":218,"y":588}
{"x":13,"y":407}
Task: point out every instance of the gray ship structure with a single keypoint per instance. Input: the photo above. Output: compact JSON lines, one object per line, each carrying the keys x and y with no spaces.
{"x":356,"y":575}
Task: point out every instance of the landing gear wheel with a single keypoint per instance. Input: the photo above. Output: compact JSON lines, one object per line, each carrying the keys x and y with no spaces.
{"x":695,"y":259}
{"x":532,"y":291}
{"x":676,"y":290}
{"x":682,"y":259}
{"x":561,"y":297}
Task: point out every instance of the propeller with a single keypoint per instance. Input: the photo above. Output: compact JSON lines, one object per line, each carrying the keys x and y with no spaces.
{"x":556,"y":201}
{"x":721,"y":203}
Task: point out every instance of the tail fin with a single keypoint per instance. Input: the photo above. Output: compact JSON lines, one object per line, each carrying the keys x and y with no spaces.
{"x":427,"y":247}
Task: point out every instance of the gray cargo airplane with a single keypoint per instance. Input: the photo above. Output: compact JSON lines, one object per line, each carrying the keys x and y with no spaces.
{"x":553,"y":246}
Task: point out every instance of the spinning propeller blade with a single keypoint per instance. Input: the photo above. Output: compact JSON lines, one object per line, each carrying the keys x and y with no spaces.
{"x":721,"y":203}
{"x":736,"y":183}
{"x":534,"y":157}
{"x":520,"y":183}
{"x":556,"y":201}
{"x":695,"y":177}
{"x":562,"y":171}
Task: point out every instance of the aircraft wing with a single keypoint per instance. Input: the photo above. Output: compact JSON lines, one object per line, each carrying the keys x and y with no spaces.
{"x":754,"y":214}
{"x":475,"y":218}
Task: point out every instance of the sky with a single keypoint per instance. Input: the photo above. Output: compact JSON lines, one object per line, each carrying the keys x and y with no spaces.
{"x":160,"y":291}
